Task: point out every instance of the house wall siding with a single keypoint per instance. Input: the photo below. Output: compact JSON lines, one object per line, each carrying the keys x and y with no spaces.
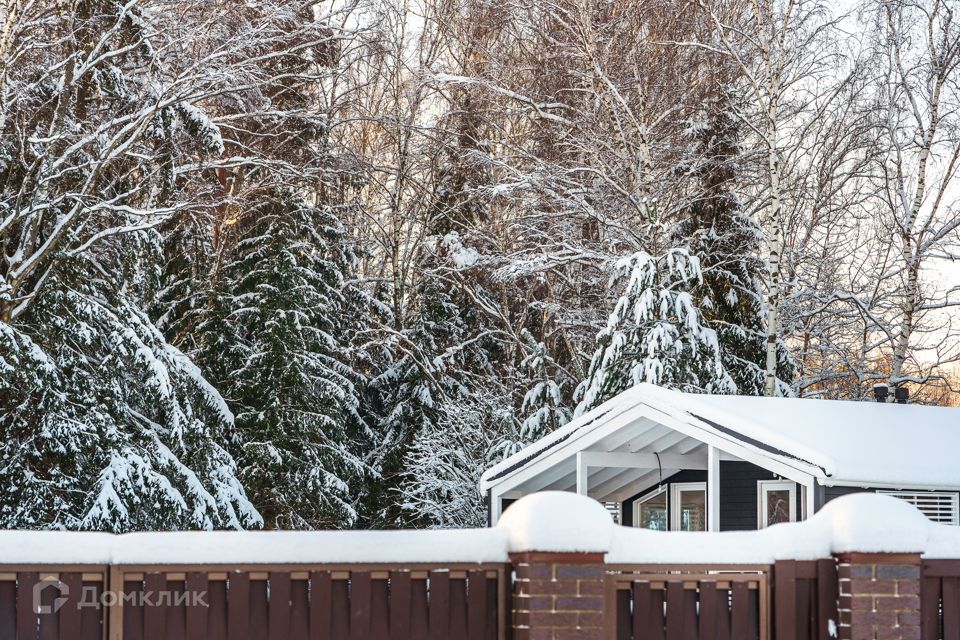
{"x":830,"y":493}
{"x":738,"y":494}
{"x":681,"y":476}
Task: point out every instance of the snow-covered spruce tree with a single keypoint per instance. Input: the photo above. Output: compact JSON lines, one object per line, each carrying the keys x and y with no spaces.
{"x":283,"y":366}
{"x":446,"y":357}
{"x":103,"y":424}
{"x":447,"y":458}
{"x":255,"y":282}
{"x":439,"y":372}
{"x":655,"y":332}
{"x":189,"y":269}
{"x":728,"y":244}
{"x":543,"y":405}
{"x":461,"y":387}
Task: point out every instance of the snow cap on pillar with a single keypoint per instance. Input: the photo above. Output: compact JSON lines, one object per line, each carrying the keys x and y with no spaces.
{"x":874,"y":523}
{"x":557,"y":522}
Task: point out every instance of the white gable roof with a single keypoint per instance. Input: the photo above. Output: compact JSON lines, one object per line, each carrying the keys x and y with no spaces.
{"x":838,"y":442}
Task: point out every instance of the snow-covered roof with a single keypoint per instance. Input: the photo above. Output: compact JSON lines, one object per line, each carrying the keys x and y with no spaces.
{"x":836,"y":442}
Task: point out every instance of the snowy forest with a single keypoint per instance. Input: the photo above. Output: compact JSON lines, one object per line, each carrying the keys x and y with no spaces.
{"x":296,"y":264}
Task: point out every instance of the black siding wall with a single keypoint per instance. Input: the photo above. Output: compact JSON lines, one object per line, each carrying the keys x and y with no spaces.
{"x":738,"y":494}
{"x":829,"y":493}
{"x":680,"y":476}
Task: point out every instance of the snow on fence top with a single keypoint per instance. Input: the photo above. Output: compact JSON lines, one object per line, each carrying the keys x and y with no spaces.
{"x":551,"y":521}
{"x":865,"y":522}
{"x":254,"y":547}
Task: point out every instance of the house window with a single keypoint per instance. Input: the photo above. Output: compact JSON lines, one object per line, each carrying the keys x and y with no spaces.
{"x":650,"y":512}
{"x":689,"y":511}
{"x":776,"y":502}
{"x":939,"y":506}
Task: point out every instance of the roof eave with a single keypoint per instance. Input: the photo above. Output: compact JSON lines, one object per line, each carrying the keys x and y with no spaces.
{"x":644,"y":407}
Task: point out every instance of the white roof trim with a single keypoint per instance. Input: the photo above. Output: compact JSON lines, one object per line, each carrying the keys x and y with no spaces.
{"x":834,"y":442}
{"x":629,"y":408}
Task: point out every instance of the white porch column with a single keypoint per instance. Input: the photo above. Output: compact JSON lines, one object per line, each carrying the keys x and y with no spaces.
{"x":810,"y":498}
{"x":581,"y":474}
{"x":496,"y":505}
{"x":713,"y":488}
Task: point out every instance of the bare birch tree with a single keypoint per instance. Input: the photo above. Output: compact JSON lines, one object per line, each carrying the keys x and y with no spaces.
{"x":919,"y":47}
{"x":782,"y":49}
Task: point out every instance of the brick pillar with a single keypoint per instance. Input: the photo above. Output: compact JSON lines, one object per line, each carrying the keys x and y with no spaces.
{"x":879,"y":596}
{"x":558,"y":596}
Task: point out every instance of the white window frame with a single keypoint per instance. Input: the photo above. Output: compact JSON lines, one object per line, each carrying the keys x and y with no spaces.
{"x":764,"y":486}
{"x":674,"y":505}
{"x":650,"y":496}
{"x":950,"y":495}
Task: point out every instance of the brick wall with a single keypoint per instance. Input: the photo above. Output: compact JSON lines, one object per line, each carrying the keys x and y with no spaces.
{"x":558,"y":596}
{"x":879,"y":596}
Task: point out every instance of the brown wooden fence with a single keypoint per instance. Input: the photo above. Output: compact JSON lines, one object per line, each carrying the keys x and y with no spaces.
{"x":805,"y":599}
{"x":790,"y":601}
{"x":66,"y":620}
{"x":691,"y":602}
{"x":940,"y":600}
{"x":311,"y":603}
{"x":787,"y":601}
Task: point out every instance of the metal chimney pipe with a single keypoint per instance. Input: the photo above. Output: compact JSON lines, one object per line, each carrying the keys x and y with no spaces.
{"x":881,"y":391}
{"x":902,"y":394}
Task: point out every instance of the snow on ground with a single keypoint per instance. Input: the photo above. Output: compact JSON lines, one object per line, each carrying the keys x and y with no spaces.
{"x":550,"y":521}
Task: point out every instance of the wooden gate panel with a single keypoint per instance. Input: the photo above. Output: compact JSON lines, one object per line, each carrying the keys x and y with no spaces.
{"x":360,"y":605}
{"x":458,"y":609}
{"x":93,"y":619}
{"x":48,"y":627}
{"x":321,"y":595}
{"x":805,"y":597}
{"x":940,"y":600}
{"x":400,"y":605}
{"x":133,"y":611}
{"x":696,"y":603}
{"x":196,"y":610}
{"x":439,"y":610}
